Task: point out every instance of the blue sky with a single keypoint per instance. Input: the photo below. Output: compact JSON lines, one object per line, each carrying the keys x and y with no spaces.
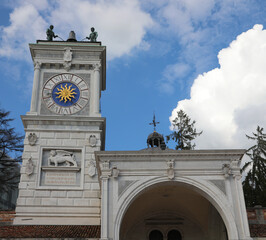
{"x":204,"y":56}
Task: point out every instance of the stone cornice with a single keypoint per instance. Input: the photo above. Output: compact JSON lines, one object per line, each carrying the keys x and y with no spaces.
{"x":195,"y":155}
{"x":62,"y":120}
{"x":85,"y":53}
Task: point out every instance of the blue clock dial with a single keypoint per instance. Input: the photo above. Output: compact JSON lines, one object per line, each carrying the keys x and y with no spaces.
{"x":66,"y":94}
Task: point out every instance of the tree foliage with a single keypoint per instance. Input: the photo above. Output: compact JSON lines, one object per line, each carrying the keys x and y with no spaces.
{"x":10,"y":145}
{"x":184,"y":132}
{"x":254,"y":185}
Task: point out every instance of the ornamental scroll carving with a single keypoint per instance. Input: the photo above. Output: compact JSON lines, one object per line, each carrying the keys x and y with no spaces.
{"x":232,"y":169}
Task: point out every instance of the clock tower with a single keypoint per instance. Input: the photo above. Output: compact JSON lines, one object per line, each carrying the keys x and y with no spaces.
{"x":63,"y":129}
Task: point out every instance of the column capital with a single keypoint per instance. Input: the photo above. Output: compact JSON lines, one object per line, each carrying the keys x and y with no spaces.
{"x":96,"y":66}
{"x":37,"y":65}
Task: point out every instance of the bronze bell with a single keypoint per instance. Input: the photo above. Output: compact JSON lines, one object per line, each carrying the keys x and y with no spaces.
{"x":72,"y":37}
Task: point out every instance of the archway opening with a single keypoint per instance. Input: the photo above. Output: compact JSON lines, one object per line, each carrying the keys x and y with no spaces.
{"x":176,"y":211}
{"x":155,"y":235}
{"x":174,"y":235}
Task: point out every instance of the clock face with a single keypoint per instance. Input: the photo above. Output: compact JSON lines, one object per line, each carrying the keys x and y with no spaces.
{"x":65,"y":93}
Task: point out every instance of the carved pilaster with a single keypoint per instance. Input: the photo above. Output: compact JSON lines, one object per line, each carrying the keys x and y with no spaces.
{"x":106,"y":173}
{"x":96,"y":88}
{"x":35,"y":87}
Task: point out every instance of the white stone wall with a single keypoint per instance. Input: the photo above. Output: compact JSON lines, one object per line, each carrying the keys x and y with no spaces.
{"x":43,"y":201}
{"x":41,"y":204}
{"x":157,"y":182}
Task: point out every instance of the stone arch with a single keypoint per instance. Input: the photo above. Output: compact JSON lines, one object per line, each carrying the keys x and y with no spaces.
{"x":203,"y":187}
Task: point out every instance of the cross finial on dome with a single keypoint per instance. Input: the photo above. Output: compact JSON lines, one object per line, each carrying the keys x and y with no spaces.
{"x":154,"y":123}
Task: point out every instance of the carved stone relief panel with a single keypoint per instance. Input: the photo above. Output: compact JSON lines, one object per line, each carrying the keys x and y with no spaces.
{"x":61,"y":167}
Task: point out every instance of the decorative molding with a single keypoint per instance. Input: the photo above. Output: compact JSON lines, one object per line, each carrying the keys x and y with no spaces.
{"x":232,"y":169}
{"x":106,"y":171}
{"x":96,"y":66}
{"x":195,"y":155}
{"x":29,"y":167}
{"x":92,"y":168}
{"x":32,"y":138}
{"x":93,"y":140}
{"x":106,"y":165}
{"x":170,"y":169}
{"x":37,"y":65}
{"x":227,"y":171}
{"x":73,"y":169}
{"x":115,"y":172}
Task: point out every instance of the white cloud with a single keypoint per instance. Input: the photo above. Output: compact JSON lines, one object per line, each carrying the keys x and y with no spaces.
{"x":26,"y":25}
{"x":196,"y":27}
{"x":230,"y":101}
{"x":120,"y":24}
{"x":170,"y":74}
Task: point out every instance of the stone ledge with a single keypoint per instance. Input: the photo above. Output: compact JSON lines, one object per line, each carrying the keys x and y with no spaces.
{"x":74,"y":169}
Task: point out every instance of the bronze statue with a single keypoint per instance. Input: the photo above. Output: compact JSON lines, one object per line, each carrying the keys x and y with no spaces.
{"x":93,"y":36}
{"x":50,"y":34}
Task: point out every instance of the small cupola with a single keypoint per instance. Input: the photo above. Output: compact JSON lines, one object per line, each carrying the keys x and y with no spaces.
{"x":155,"y":140}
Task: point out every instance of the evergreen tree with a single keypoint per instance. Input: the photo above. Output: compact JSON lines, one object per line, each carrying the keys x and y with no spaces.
{"x":184,"y":132}
{"x":254,"y":185}
{"x":10,"y":144}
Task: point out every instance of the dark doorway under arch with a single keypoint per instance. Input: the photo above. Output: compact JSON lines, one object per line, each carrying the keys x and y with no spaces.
{"x":174,"y":235}
{"x":155,"y":235}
